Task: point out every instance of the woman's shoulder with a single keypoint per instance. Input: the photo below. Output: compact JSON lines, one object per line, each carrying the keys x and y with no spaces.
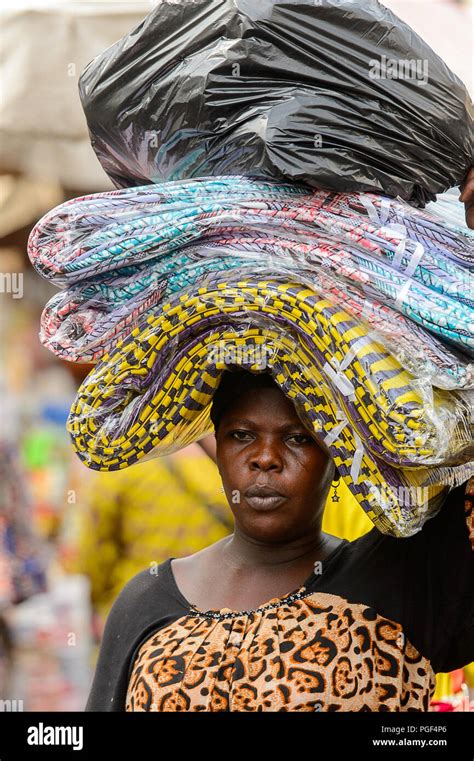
{"x":449,"y":531}
{"x":147,"y":594}
{"x":145,"y":604}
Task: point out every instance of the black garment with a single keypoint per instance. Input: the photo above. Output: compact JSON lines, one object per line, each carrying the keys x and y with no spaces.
{"x":424,"y":583}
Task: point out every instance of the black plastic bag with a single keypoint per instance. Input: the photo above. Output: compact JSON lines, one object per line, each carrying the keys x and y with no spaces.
{"x":340,"y":94}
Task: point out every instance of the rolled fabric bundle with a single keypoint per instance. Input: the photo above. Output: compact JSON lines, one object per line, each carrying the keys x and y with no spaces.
{"x":120,"y":267}
{"x":93,"y":235}
{"x":387,"y":434}
{"x":83,"y":322}
{"x":423,"y":355}
{"x":167,"y":286}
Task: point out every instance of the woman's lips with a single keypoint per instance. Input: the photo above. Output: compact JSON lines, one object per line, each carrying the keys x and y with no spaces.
{"x":267,"y":502}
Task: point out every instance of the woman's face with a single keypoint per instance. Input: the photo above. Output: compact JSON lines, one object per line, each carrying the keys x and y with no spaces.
{"x":262,"y":444}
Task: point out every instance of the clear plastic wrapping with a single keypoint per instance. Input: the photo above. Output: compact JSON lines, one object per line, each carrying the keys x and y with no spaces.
{"x":122,"y":253}
{"x":386,"y":431}
{"x":360,"y":307}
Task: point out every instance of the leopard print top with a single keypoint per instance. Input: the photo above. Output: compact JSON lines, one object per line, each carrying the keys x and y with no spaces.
{"x":367,"y":633}
{"x":318,"y":653}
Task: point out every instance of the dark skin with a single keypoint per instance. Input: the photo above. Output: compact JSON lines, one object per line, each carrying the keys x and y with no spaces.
{"x":467,"y":197}
{"x":261,"y":440}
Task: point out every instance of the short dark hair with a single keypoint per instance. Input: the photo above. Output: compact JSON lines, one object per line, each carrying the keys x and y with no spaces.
{"x":232,"y":385}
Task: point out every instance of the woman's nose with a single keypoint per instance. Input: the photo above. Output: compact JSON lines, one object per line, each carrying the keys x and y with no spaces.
{"x":266,"y":457}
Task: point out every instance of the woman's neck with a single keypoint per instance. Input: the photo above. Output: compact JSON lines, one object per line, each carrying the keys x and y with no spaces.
{"x":243,"y":552}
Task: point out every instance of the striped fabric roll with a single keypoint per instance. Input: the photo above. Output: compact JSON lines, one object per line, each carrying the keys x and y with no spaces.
{"x":152,"y":394}
{"x":118,"y":267}
{"x":89,"y":236}
{"x":83,"y":322}
{"x":360,"y":306}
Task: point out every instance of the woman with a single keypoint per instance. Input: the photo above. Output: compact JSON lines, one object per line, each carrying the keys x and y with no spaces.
{"x":280,"y":616}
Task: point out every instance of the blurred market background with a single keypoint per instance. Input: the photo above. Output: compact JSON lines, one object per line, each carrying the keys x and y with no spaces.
{"x":71,"y":538}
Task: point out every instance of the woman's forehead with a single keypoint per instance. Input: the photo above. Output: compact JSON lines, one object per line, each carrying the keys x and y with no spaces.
{"x":258,"y":398}
{"x":267,"y":408}
{"x":274,"y":424}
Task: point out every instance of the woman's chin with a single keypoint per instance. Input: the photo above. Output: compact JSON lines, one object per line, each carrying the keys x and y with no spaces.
{"x":268,"y":526}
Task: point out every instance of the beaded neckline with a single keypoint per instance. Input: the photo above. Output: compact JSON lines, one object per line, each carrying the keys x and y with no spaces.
{"x":227,"y":613}
{"x":299,"y":595}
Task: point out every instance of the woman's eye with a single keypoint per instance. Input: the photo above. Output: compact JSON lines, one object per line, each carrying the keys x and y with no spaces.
{"x":302,"y":439}
{"x":240,"y":435}
{"x":299,"y":438}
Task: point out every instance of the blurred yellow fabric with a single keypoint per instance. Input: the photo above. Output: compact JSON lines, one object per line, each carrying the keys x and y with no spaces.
{"x":345,"y":518}
{"x":138,"y":517}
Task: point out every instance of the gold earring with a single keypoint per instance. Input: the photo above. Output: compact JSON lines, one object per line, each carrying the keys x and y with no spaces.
{"x":335,"y":496}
